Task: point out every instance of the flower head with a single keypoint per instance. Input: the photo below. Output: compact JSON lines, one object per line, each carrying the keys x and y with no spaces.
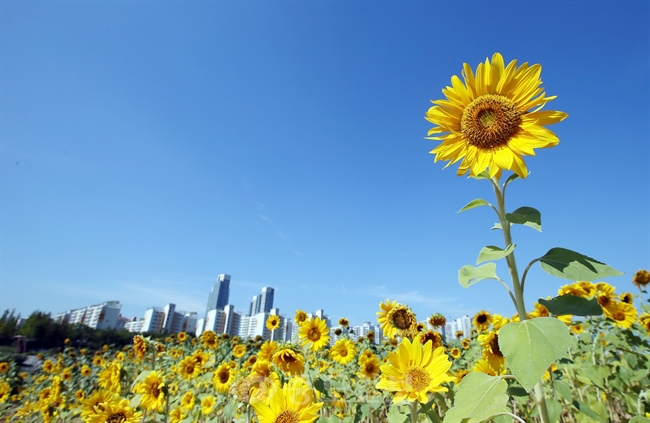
{"x":343,"y":351}
{"x":289,"y":360}
{"x":314,"y":333}
{"x":294,"y":403}
{"x":273,"y":322}
{"x":493,"y":118}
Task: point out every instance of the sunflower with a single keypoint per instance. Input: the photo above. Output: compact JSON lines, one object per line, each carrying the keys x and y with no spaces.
{"x":370,"y":336}
{"x":300,"y":317}
{"x":498,"y":321}
{"x":139,"y":346}
{"x":176,"y":415}
{"x":369,"y":368}
{"x":182,"y":336}
{"x":151,"y":389}
{"x":455,"y":353}
{"x":482,"y":320}
{"x":343,"y":351}
{"x":187,"y":401}
{"x":239,"y":350}
{"x":96,"y":403}
{"x":223,"y":378}
{"x":343,"y":322}
{"x":267,"y":350}
{"x":80,"y":395}
{"x":626,"y":297}
{"x":484,"y":366}
{"x":209,"y":339}
{"x":48,"y":366}
{"x":414,"y":371}
{"x":623,"y":314}
{"x":289,"y":360}
{"x":460,"y":374}
{"x":116,"y":412}
{"x":273,"y":322}
{"x":294,"y":403}
{"x":4,"y":367}
{"x":577,"y":329}
{"x":641,"y":278}
{"x":437,"y":320}
{"x":491,"y":350}
{"x":400,"y":320}
{"x":459,"y":334}
{"x":242,"y":389}
{"x":109,"y":377}
{"x":644,"y":320}
{"x":430,"y":335}
{"x":207,"y":404}
{"x":382,"y":316}
{"x":250,"y":361}
{"x":487,"y":121}
{"x":314,"y":333}
{"x":199,"y":357}
{"x":189,"y":368}
{"x":264,"y":380}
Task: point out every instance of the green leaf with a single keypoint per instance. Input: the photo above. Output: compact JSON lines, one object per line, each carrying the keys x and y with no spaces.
{"x":532,"y":345}
{"x":554,"y":409}
{"x":479,"y":398}
{"x":572,"y":304}
{"x":478,"y":202}
{"x":483,"y":175}
{"x":574,"y":266}
{"x":491,"y":253}
{"x":469,"y":275}
{"x":563,"y":389}
{"x":497,"y":226}
{"x":395,"y":416}
{"x":510,"y":179}
{"x":527,"y":216}
{"x":639,"y":419}
{"x":586,"y":410}
{"x":319,"y":385}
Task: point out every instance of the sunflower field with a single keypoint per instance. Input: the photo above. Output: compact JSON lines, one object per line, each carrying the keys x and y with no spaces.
{"x":579,"y":356}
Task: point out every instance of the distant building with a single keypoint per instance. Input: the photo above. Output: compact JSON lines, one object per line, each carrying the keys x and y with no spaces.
{"x":134,"y":325}
{"x":224,"y":321}
{"x":165,"y":319}
{"x":255,"y":325}
{"x":255,"y":305}
{"x":219,"y":294}
{"x":462,"y":324}
{"x":262,"y":303}
{"x":98,"y":316}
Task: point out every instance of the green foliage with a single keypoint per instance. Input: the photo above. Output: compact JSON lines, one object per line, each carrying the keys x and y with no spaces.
{"x":527,"y":216}
{"x":572,"y":304}
{"x":469,"y":275}
{"x":568,"y":264}
{"x":532,"y":345}
{"x":491,"y":253}
{"x":8,"y":324}
{"x":479,"y":398}
{"x":473,"y":204}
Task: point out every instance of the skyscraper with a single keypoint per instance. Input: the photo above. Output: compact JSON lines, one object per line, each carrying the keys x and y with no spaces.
{"x":266,"y":300}
{"x":219,"y":294}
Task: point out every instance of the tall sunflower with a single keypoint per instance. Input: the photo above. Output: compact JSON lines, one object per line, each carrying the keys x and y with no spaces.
{"x":414,"y":371}
{"x":343,"y":351}
{"x":493,"y":118}
{"x":314,"y":333}
{"x":273,"y":322}
{"x":293,"y":403}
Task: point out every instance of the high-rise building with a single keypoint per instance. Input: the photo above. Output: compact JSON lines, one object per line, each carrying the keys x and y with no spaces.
{"x":219,"y":294}
{"x":255,"y":305}
{"x":462,"y":324}
{"x":98,"y":316}
{"x":266,"y":300}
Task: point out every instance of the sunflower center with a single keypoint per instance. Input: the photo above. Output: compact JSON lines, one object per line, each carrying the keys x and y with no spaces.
{"x":155,"y":390}
{"x":314,"y":334}
{"x":287,"y":416}
{"x":224,"y":375}
{"x":417,"y":378}
{"x":619,"y":316}
{"x":494,"y":345}
{"x":116,"y":418}
{"x":490,"y":121}
{"x":402,"y":319}
{"x":482,"y":318}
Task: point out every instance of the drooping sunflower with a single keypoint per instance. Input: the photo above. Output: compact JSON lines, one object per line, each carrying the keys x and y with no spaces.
{"x":314,"y":333}
{"x":139,"y":346}
{"x":493,"y":118}
{"x":273,"y":322}
{"x":151,"y":389}
{"x":482,"y":320}
{"x":491,"y":350}
{"x":343,"y":322}
{"x":223,"y":378}
{"x":626,"y":297}
{"x":400,"y":320}
{"x":343,"y":351}
{"x":95,"y":403}
{"x":294,"y":403}
{"x":437,"y":320}
{"x":430,"y":335}
{"x":289,"y":360}
{"x":414,"y":371}
{"x":641,"y":278}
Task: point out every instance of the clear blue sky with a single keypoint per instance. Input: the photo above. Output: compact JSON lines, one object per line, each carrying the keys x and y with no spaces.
{"x":148,"y":147}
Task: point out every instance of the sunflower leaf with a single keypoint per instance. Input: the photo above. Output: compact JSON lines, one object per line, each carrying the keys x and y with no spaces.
{"x":479,"y":398}
{"x":478,"y":202}
{"x":532,"y":345}
{"x":639,"y":419}
{"x":527,"y":216}
{"x":491,"y":253}
{"x":572,"y":304}
{"x":497,"y":226}
{"x":510,"y":179}
{"x":469,"y":275}
{"x":568,"y":264}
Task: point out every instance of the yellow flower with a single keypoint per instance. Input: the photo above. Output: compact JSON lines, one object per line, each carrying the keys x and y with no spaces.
{"x":314,"y":333}
{"x":483,"y":365}
{"x":239,"y":350}
{"x":430,"y":335}
{"x":273,"y":322}
{"x":187,"y":401}
{"x":264,"y":380}
{"x":641,"y":278}
{"x":382,"y":315}
{"x":48,"y":366}
{"x":492,"y":119}
{"x":176,"y":415}
{"x":300,"y":317}
{"x":109,"y":377}
{"x":182,"y":336}
{"x":465,"y":343}
{"x":207,"y":404}
{"x":4,"y":367}
{"x":118,"y":411}
{"x":343,"y":351}
{"x":399,"y":320}
{"x":294,"y":403}
{"x":289,"y":360}
{"x":369,"y":368}
{"x":626,"y":297}
{"x":209,"y":339}
{"x":455,"y":353}
{"x":577,"y":329}
{"x":437,"y":320}
{"x":223,"y":378}
{"x":151,"y":390}
{"x":491,"y":351}
{"x":188,"y":368}
{"x":267,"y":350}
{"x":343,"y":322}
{"x":80,"y":395}
{"x":482,"y":320}
{"x":414,"y":371}
{"x":139,"y":346}
{"x":623,"y":314}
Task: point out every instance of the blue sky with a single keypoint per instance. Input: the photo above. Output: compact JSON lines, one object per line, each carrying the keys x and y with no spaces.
{"x":148,"y":147}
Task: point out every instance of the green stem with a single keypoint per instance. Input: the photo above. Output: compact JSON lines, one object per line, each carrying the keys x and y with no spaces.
{"x":414,"y":411}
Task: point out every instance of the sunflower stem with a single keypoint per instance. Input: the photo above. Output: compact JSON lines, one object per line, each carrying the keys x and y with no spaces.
{"x":414,"y":411}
